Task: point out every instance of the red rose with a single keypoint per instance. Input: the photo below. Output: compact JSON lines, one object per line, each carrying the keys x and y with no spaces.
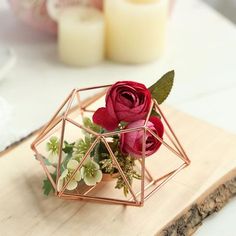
{"x":125,"y":101}
{"x":131,"y":142}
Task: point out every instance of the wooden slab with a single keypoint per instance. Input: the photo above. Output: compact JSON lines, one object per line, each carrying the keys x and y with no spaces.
{"x":180,"y":205}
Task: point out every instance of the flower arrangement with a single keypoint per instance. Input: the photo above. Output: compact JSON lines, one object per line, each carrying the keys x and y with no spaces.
{"x":127,"y":106}
{"x":112,"y":145}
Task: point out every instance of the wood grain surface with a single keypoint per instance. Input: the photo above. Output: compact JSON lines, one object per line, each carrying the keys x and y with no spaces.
{"x":24,"y":210}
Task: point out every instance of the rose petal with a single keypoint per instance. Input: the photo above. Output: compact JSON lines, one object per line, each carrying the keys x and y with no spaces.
{"x":116,"y":102}
{"x":130,"y":116}
{"x":132,"y":142}
{"x":110,"y":108}
{"x":127,"y":98}
{"x":103,"y":118}
{"x":158,"y":125}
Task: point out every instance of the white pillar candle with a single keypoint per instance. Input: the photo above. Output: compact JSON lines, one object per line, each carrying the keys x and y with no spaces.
{"x":81,"y":36}
{"x":135,"y":29}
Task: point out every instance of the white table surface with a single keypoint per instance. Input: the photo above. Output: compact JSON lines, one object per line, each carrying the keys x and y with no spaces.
{"x":201,"y":47}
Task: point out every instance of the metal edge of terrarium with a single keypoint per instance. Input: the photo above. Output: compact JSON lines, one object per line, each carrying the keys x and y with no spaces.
{"x":83,"y":104}
{"x":167,"y":177}
{"x":173,"y":133}
{"x":47,"y":126}
{"x":79,"y":166}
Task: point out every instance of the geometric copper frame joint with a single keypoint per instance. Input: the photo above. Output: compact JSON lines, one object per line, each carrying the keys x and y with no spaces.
{"x":137,"y":198}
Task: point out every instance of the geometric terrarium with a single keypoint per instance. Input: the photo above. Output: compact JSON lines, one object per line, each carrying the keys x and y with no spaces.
{"x":94,"y":148}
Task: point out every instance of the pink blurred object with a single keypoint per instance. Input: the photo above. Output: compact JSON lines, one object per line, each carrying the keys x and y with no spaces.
{"x":97,"y":3}
{"x":35,"y":14}
{"x":172,"y":5}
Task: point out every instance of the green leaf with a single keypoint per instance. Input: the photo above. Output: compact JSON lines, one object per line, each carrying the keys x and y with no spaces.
{"x":65,"y":161}
{"x":68,"y":147}
{"x":47,"y":186}
{"x":45,"y":160}
{"x":161,"y":89}
{"x":100,"y":152}
{"x":154,"y":113}
{"x":88,"y":123}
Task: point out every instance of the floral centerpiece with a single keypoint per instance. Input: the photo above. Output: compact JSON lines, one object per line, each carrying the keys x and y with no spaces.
{"x":114,"y":144}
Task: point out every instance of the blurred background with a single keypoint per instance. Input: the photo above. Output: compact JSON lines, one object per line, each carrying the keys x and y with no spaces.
{"x":226,"y":8}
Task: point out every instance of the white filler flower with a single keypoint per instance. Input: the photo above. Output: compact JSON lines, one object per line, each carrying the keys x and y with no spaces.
{"x":91,"y":173}
{"x":66,"y":175}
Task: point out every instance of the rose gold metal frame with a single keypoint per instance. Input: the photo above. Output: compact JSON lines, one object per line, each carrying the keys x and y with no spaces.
{"x":63,"y":118}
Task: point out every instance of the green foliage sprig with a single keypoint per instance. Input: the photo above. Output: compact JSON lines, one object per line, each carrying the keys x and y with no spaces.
{"x":161,"y":89}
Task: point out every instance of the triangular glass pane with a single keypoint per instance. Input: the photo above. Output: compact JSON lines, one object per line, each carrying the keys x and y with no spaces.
{"x":170,"y":136}
{"x":163,"y":164}
{"x":105,"y":189}
{"x":62,"y":110}
{"x":114,"y":187}
{"x":77,"y":142}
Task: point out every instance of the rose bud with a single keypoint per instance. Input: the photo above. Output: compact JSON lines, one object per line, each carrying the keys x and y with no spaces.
{"x":125,"y":101}
{"x":131,"y":142}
